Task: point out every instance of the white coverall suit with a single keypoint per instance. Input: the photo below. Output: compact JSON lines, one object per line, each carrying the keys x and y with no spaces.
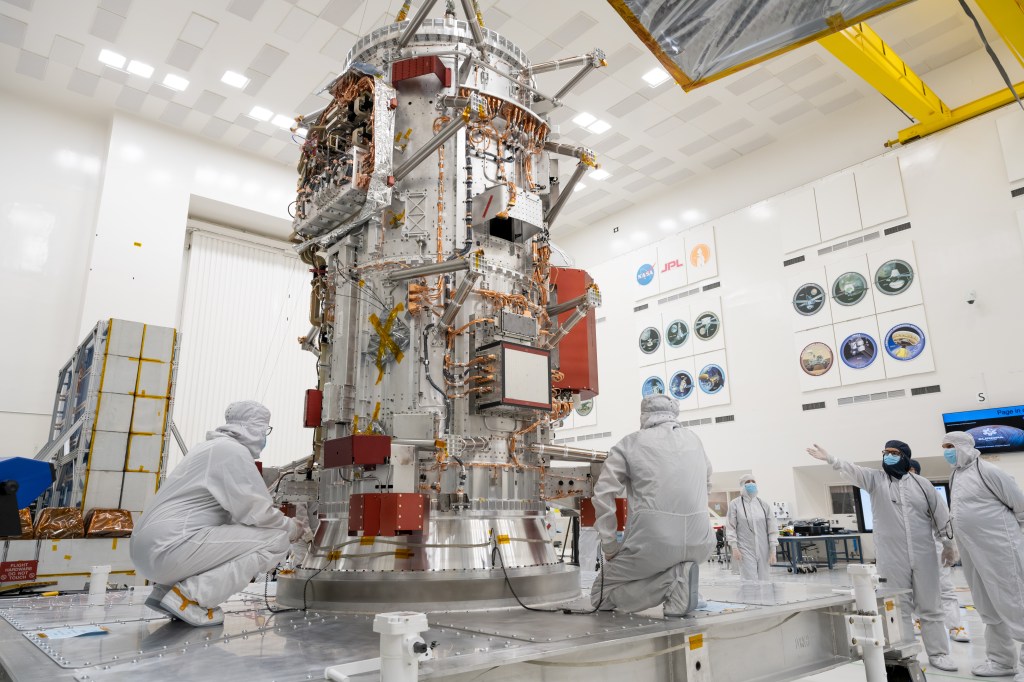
{"x":212,"y":525}
{"x":909,"y":516}
{"x":666,"y":476}
{"x":752,"y":529}
{"x":988,"y":514}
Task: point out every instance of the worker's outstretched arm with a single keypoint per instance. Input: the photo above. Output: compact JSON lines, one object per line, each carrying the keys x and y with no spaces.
{"x":861,"y":477}
{"x":613,"y":479}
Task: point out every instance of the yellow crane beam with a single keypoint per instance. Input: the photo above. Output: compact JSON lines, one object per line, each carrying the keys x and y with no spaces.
{"x":1008,"y":18}
{"x":867,"y":55}
{"x":957,"y":115}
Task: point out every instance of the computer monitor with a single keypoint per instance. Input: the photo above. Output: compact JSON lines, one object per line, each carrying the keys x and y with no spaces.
{"x":998,"y":429}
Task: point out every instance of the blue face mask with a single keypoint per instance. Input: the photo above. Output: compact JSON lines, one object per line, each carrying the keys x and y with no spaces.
{"x":950,"y":455}
{"x":751,"y":488}
{"x":891,"y":460}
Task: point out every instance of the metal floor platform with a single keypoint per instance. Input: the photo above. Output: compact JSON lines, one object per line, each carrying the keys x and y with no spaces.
{"x":789,"y":629}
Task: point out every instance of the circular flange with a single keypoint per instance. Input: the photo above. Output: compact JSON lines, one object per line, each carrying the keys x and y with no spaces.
{"x":373,"y":591}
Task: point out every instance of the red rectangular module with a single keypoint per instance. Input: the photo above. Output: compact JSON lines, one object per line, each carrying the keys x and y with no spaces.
{"x":359,"y":449}
{"x":588,"y":516}
{"x":314,"y":407}
{"x":402,"y":512}
{"x":577,"y":352}
{"x":356,"y":509}
{"x":421,"y":66}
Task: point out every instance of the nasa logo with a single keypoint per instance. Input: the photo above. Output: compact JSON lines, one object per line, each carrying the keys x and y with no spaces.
{"x":645,"y":275}
{"x":671,"y":265}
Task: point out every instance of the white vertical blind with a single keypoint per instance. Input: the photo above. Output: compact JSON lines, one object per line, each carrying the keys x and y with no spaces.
{"x":245,"y":305}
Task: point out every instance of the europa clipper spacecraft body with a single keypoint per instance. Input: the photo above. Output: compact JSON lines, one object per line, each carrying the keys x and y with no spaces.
{"x":447,"y":342}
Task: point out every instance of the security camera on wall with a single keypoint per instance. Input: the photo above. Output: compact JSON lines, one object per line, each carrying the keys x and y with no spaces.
{"x":971,"y":297}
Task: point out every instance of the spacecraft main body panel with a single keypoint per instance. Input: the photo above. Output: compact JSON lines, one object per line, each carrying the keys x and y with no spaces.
{"x":426,"y":192}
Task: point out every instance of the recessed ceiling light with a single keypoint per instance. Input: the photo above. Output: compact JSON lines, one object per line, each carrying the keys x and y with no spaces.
{"x":655,"y":77}
{"x":111,"y":58}
{"x":584,"y":119}
{"x":176,"y":82}
{"x":282,"y":121}
{"x":235,"y":80}
{"x":600,"y":174}
{"x":580,"y":187}
{"x":599,"y":127}
{"x":261,"y":114}
{"x":140,"y":68}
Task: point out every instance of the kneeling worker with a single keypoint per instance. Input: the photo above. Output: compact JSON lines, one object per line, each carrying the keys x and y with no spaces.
{"x":212,"y":525}
{"x":666,"y":476}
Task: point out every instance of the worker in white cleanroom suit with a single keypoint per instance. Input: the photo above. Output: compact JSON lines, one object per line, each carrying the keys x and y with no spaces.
{"x":752,"y":532}
{"x":988,"y":512}
{"x":666,"y":477}
{"x":950,"y":602}
{"x":212,"y":525}
{"x":909,"y":515}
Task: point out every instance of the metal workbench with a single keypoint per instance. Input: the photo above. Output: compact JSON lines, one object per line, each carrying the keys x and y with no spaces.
{"x":786,"y":630}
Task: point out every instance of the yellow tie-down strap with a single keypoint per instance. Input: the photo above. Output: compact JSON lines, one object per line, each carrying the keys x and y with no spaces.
{"x":403,"y":553}
{"x":367,"y":540}
{"x":387,"y":343}
{"x":503,"y":539}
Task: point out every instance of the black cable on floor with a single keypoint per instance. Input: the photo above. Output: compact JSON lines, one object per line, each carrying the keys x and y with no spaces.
{"x":495,"y":551}
{"x":266,"y":596}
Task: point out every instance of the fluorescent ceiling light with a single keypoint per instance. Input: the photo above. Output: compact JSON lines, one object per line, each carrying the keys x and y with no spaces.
{"x":584,"y":119}
{"x":176,"y":82}
{"x":580,"y":187}
{"x":140,"y":68}
{"x":599,"y":127}
{"x":655,"y":77}
{"x":600,"y":174}
{"x":111,"y":58}
{"x":235,"y":80}
{"x":261,"y":114}
{"x":282,"y":121}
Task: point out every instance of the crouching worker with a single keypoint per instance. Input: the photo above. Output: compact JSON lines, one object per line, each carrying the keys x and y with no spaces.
{"x":666,"y":477}
{"x":212,"y":525}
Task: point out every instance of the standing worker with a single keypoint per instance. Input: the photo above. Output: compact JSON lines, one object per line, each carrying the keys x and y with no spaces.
{"x":908,"y":517}
{"x":988,"y":510}
{"x":752,"y":532}
{"x":667,"y":477}
{"x":950,"y":602}
{"x":212,"y":526}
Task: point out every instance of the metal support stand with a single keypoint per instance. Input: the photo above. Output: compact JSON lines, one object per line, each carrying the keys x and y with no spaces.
{"x":865,"y":626}
{"x":401,"y":649}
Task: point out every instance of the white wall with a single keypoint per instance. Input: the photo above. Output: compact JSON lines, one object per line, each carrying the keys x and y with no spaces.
{"x":49,"y":184}
{"x":967,"y":237}
{"x":76,"y":195}
{"x":151,"y":173}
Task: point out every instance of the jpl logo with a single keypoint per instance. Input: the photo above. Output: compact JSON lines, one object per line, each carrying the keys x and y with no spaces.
{"x":645,"y":275}
{"x":671,"y":265}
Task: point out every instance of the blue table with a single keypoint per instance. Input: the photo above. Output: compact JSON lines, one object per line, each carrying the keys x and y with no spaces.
{"x":792,"y":551}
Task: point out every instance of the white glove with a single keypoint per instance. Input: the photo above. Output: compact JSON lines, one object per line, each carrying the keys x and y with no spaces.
{"x":736,"y":554}
{"x":818,"y":452}
{"x":771,"y":554}
{"x":610,"y":550}
{"x":297,"y":530}
{"x":308,"y":535}
{"x":949,"y":555}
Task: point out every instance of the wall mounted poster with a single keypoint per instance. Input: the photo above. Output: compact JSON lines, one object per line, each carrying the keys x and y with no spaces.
{"x":701,"y":253}
{"x":678,"y":330}
{"x":642,"y":270}
{"x":652,"y":380}
{"x":713,"y":379}
{"x":816,"y":359}
{"x":810,"y":304}
{"x":708,"y":326}
{"x":673,"y":262}
{"x":585,"y":414}
{"x":648,"y":338}
{"x":859,"y":351}
{"x":906,"y":344}
{"x":895,"y":278}
{"x":850,"y":289}
{"x":682,"y":382}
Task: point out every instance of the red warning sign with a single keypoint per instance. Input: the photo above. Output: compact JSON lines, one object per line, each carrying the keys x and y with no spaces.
{"x":18,"y":571}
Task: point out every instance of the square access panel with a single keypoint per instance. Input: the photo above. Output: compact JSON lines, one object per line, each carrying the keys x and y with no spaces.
{"x":521,"y":379}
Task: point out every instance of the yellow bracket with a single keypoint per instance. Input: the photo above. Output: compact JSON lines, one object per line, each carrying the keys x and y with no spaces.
{"x":1008,"y":18}
{"x":386,"y":342}
{"x":867,"y":55}
{"x":957,"y":115}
